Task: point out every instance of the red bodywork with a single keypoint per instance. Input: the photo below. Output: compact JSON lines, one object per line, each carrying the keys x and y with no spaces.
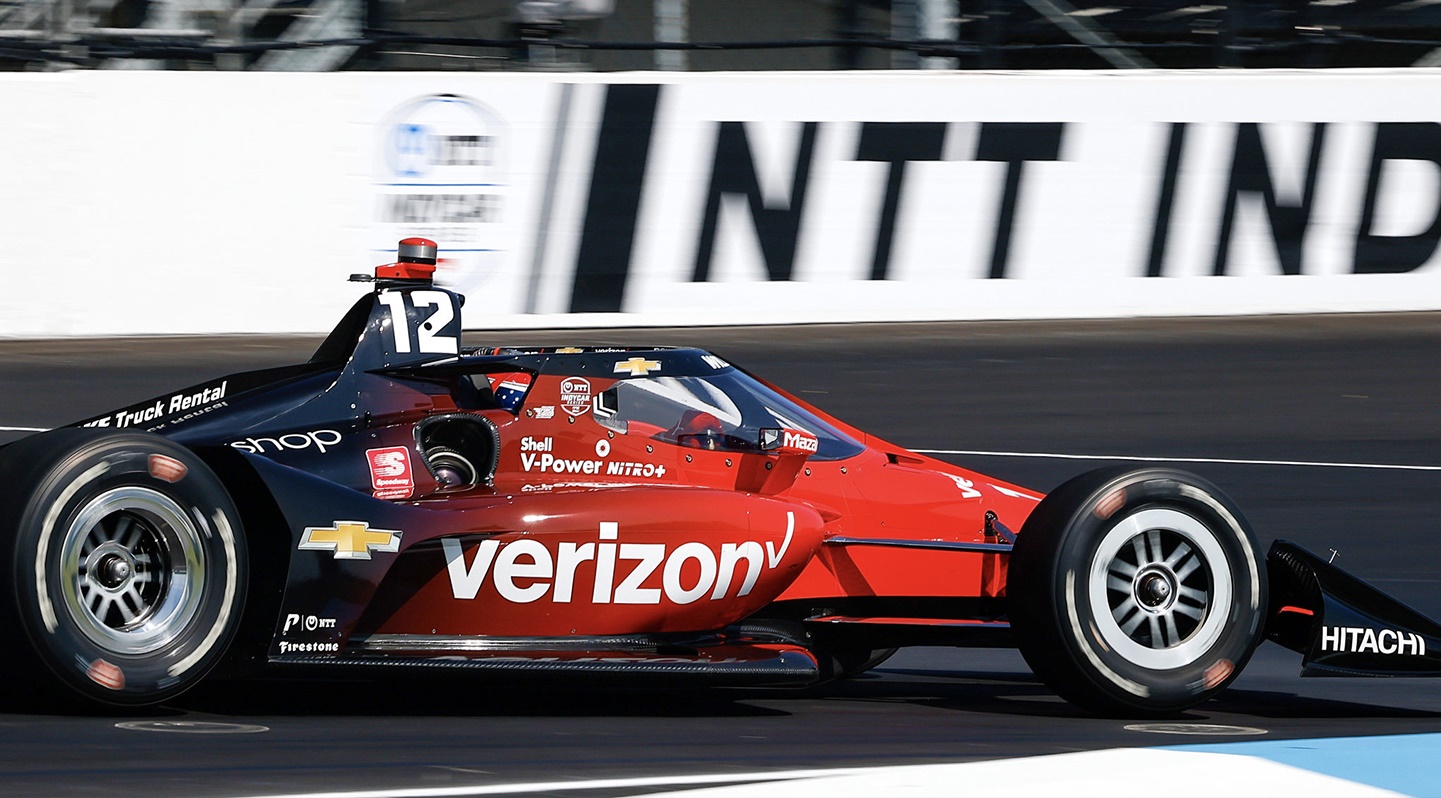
{"x":628,"y":532}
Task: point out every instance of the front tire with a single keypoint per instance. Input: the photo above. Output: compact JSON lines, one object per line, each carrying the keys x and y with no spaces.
{"x":1136,"y":593}
{"x":127,"y":561}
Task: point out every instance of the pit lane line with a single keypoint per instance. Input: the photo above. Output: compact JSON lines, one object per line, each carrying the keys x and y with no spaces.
{"x":1213,"y":460}
{"x":1118,"y":457}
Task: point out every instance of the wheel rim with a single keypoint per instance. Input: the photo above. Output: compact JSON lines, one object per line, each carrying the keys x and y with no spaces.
{"x":1160,"y":588}
{"x":132,"y":570}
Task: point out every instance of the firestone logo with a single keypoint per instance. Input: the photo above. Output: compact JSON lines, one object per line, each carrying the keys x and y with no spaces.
{"x":524,"y":571}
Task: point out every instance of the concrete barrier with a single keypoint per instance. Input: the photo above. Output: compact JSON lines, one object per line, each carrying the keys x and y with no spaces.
{"x":190,"y":203}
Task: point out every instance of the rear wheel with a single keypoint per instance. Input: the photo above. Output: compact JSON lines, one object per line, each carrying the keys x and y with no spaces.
{"x":127,"y":563}
{"x":1136,"y":592}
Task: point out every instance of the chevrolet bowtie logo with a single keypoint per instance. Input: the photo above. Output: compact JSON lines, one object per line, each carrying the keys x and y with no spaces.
{"x":350,"y":540}
{"x":637,"y":366}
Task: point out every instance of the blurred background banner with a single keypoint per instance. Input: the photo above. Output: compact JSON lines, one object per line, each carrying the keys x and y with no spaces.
{"x":137,"y":202}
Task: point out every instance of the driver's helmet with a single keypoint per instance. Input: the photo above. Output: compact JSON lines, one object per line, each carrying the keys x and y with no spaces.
{"x":698,"y":430}
{"x":510,"y":388}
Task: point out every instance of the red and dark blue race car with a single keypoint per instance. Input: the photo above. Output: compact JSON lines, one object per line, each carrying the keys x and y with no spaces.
{"x":401,"y":503}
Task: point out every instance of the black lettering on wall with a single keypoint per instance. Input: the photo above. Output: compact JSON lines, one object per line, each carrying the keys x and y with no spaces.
{"x":617,"y":176}
{"x":896,"y":143}
{"x":1250,"y":173}
{"x":1014,"y":143}
{"x":734,"y":172}
{"x":1416,"y":141}
{"x":1161,"y":228}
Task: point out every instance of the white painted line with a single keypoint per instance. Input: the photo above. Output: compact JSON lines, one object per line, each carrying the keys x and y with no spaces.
{"x":1218,"y":460}
{"x":1120,"y":772}
{"x":24,"y":429}
{"x":577,"y":785}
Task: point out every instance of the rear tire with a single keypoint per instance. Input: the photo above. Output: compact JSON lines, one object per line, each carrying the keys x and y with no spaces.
{"x":127,"y":563}
{"x":1136,"y":593}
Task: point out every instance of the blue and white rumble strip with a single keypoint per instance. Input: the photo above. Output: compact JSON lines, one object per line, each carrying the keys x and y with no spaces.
{"x":1396,"y":765}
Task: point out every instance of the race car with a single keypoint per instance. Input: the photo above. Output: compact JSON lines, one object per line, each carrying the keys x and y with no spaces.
{"x":401,"y":503}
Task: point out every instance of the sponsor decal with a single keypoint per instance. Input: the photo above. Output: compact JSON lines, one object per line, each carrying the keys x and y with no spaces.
{"x":166,"y":468}
{"x":135,"y":416}
{"x":311,"y":647}
{"x":106,"y":675}
{"x":968,"y":488}
{"x":569,"y":350}
{"x":1014,"y":494}
{"x":523,"y":571}
{"x":715,"y":362}
{"x":1109,"y":504}
{"x":350,"y":540}
{"x":575,"y":395}
{"x":307,"y":623}
{"x":542,"y":412}
{"x":320,"y":440}
{"x":390,"y":473}
{"x":788,"y":441}
{"x":637,"y":367}
{"x":1219,"y":671}
{"x":536,"y":455}
{"x":615,"y":658}
{"x":1365,"y":640}
{"x":800,"y":440}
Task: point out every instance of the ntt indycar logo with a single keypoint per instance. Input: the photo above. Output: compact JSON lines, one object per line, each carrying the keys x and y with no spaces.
{"x":524,"y":571}
{"x":1365,"y":640}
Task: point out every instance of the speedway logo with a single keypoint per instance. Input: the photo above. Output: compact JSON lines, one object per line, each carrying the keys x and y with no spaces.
{"x":525,"y":570}
{"x":390,"y":473}
{"x":1365,"y":640}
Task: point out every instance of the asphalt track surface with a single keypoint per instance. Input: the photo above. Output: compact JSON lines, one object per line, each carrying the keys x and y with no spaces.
{"x":1324,"y":429}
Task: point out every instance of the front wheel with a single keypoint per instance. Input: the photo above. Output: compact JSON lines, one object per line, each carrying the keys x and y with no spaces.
{"x":127,"y":563}
{"x":1136,"y":592}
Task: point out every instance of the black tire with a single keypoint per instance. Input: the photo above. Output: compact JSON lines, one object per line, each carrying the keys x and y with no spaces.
{"x":127,"y":562}
{"x":1136,"y":593}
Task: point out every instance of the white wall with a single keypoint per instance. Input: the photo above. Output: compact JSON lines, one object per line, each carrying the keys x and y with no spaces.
{"x":182,"y":202}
